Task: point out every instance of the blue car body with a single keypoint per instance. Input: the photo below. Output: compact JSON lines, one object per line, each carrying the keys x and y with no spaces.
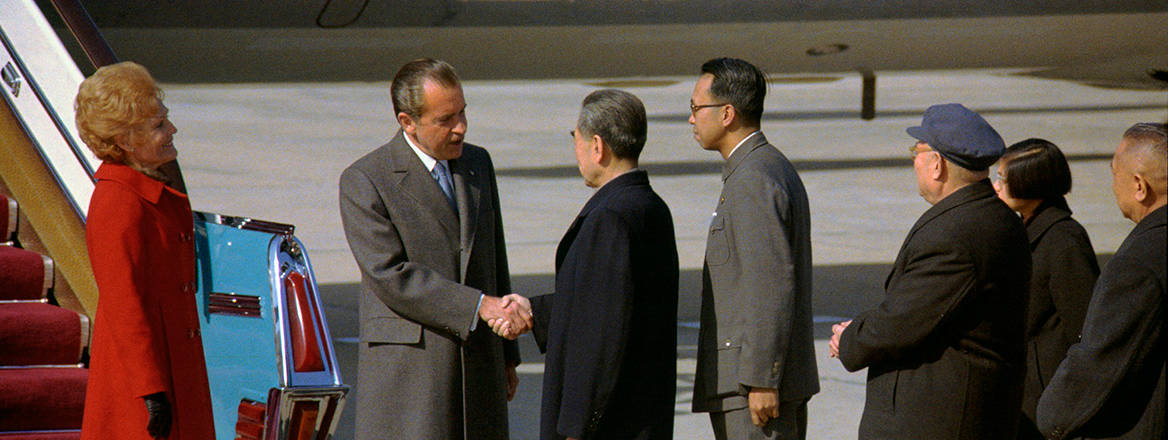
{"x":264,"y":333}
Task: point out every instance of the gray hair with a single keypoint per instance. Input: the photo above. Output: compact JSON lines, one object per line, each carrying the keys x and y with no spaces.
{"x":618,"y":117}
{"x":407,"y":88}
{"x":1148,"y":149}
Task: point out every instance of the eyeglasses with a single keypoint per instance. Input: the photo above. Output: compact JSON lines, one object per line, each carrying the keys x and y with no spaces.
{"x":917,"y":148}
{"x":693,"y":109}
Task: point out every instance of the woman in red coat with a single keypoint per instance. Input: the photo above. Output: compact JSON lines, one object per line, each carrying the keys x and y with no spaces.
{"x":147,"y":375}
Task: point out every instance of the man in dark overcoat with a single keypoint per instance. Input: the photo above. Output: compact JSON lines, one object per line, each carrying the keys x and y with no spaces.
{"x":945,"y":350}
{"x":610,"y":328}
{"x":422,"y":218}
{"x":1112,"y":382}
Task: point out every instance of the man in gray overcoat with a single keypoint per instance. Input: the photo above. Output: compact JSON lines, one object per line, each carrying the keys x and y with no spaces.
{"x":421,"y":215}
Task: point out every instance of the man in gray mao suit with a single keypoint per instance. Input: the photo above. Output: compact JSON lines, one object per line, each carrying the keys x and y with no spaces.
{"x":421,"y":215}
{"x":756,"y":363}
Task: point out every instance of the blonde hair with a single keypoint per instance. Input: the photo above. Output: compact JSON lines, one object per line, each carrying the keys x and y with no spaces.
{"x":111,"y":103}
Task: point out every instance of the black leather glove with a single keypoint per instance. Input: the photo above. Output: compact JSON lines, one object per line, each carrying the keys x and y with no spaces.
{"x":158,"y":415}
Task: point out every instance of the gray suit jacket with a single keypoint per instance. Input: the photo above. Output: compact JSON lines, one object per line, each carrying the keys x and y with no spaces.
{"x":422,"y":374}
{"x":756,"y":285}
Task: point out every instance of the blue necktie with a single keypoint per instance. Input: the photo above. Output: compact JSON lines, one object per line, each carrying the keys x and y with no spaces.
{"x":442,"y":175}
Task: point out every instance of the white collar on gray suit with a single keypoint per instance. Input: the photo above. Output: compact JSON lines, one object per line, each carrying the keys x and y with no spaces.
{"x":743,"y":141}
{"x":430,"y":163}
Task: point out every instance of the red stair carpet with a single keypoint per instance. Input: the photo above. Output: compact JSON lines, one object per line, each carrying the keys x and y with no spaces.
{"x":42,"y":378}
{"x":24,"y":274}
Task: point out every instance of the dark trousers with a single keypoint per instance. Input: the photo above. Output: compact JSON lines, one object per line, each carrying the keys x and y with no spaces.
{"x":736,"y":425}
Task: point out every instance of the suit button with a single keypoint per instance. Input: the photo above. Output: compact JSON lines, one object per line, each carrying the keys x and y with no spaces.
{"x":727,"y":343}
{"x":192,"y":332}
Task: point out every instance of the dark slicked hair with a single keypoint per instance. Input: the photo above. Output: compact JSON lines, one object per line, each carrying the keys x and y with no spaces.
{"x":407,"y":89}
{"x":739,"y":83}
{"x":618,"y":117}
{"x":1036,"y":170}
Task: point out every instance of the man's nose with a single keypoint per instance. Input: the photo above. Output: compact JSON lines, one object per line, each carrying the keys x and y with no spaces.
{"x":460,"y":128}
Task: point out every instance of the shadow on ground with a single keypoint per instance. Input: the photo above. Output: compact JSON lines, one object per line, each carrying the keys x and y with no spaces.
{"x":841,"y":292}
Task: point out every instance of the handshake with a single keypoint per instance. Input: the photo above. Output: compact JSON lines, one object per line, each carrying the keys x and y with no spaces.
{"x":509,"y":316}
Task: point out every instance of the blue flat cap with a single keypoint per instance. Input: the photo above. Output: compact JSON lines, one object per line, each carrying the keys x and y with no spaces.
{"x":960,"y":135}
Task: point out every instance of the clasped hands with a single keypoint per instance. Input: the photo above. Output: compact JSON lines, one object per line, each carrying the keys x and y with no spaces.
{"x":509,"y":316}
{"x":836,"y":331}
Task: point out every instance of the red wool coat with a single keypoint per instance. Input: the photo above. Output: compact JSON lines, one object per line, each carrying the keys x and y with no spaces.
{"x":146,"y":334}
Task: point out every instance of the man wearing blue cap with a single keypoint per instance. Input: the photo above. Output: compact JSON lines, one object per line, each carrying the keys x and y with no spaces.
{"x":945,"y":350}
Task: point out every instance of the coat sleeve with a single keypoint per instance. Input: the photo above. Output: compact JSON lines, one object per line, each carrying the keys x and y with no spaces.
{"x":599,"y":322}
{"x":937,"y":277}
{"x":115,"y":238}
{"x":502,"y":270}
{"x":411,"y":290}
{"x":541,"y":310}
{"x":762,"y":242}
{"x":1122,"y":330}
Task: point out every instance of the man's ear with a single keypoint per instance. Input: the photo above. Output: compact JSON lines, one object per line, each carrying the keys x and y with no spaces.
{"x":598,"y":150}
{"x":407,"y":123}
{"x":939,"y":168}
{"x":729,"y":114}
{"x":1143,"y":188}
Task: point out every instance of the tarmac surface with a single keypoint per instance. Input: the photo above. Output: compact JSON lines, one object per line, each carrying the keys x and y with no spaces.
{"x":275,"y":152}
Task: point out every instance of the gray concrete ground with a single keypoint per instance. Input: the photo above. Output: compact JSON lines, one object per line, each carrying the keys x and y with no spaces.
{"x":275,"y":151}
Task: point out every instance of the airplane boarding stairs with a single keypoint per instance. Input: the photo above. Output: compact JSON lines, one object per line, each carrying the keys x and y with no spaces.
{"x":271,"y":367}
{"x":42,"y":377}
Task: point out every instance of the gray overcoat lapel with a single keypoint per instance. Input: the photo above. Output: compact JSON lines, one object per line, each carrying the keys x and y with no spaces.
{"x":467,"y":190}
{"x":418,"y":184}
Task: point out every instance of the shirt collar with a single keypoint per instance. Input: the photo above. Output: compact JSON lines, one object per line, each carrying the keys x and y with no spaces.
{"x":743,"y":141}
{"x":427,"y":161}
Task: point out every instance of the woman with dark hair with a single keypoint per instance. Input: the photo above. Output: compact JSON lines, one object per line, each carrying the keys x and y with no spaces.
{"x":147,"y":375}
{"x":1032,"y":178}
